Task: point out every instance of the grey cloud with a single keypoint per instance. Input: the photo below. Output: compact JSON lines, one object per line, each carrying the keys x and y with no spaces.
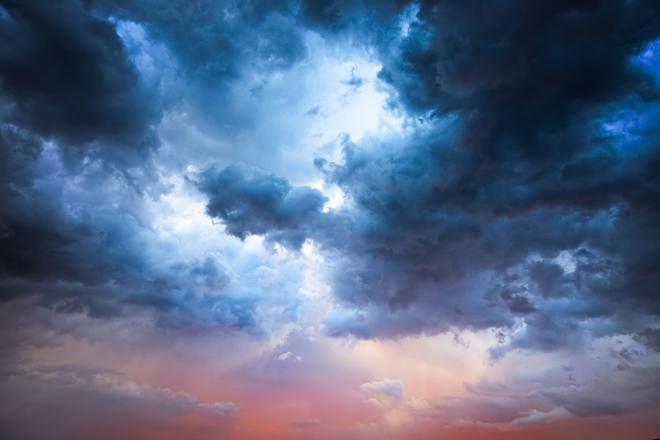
{"x":549,"y":396}
{"x":387,"y":387}
{"x":548,"y":277}
{"x":219,"y":47}
{"x":65,"y":76}
{"x":259,"y":203}
{"x":650,"y":337}
{"x":634,"y":389}
{"x":537,"y":139}
{"x":518,"y":165}
{"x":75,"y":402}
{"x":213,"y":39}
{"x":60,"y":245}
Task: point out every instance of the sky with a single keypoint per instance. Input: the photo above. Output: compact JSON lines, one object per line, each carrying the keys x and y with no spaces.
{"x":347,"y":219}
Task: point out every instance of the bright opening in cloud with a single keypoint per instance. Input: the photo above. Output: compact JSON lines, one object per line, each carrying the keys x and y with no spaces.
{"x":331,"y":220}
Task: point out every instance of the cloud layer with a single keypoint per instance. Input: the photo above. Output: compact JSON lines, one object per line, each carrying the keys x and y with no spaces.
{"x":280,"y":187}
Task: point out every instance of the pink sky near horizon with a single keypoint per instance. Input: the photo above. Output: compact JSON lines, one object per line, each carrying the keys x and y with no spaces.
{"x":319,"y":387}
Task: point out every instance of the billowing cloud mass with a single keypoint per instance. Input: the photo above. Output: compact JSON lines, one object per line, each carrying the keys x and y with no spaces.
{"x":260,"y":204}
{"x":347,"y":219}
{"x":66,"y":77}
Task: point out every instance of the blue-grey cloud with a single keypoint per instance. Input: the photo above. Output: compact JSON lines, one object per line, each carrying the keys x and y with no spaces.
{"x":521,"y":165}
{"x":76,"y":112}
{"x":65,"y":76}
{"x":521,"y":194}
{"x":530,"y":139}
{"x":80,"y":402}
{"x":260,"y":204}
{"x":91,"y":258}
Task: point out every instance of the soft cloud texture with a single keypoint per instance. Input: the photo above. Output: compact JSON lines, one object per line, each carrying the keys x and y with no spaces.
{"x":244,"y":219}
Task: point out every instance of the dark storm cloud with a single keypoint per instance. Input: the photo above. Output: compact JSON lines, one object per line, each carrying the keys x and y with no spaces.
{"x":259,"y":203}
{"x":59,"y":244}
{"x":41,"y":239}
{"x":522,"y":196}
{"x":537,"y":137}
{"x":71,"y":93}
{"x":363,"y":17}
{"x":541,"y":141}
{"x":213,"y":38}
{"x":524,"y":169}
{"x":64,"y":75}
{"x":222,"y":49}
{"x":409,"y":250}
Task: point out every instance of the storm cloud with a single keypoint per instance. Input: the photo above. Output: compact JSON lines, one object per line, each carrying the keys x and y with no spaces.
{"x":535,"y":144}
{"x":296,"y":178}
{"x":260,"y":204}
{"x":66,"y":76}
{"x":531,"y":143}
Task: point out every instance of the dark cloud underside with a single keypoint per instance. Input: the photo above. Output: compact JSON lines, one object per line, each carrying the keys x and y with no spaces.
{"x":462,"y":226}
{"x":524,"y":189}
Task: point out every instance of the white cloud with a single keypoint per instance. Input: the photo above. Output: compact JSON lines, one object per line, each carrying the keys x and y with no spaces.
{"x":386,"y":387}
{"x":536,"y":416}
